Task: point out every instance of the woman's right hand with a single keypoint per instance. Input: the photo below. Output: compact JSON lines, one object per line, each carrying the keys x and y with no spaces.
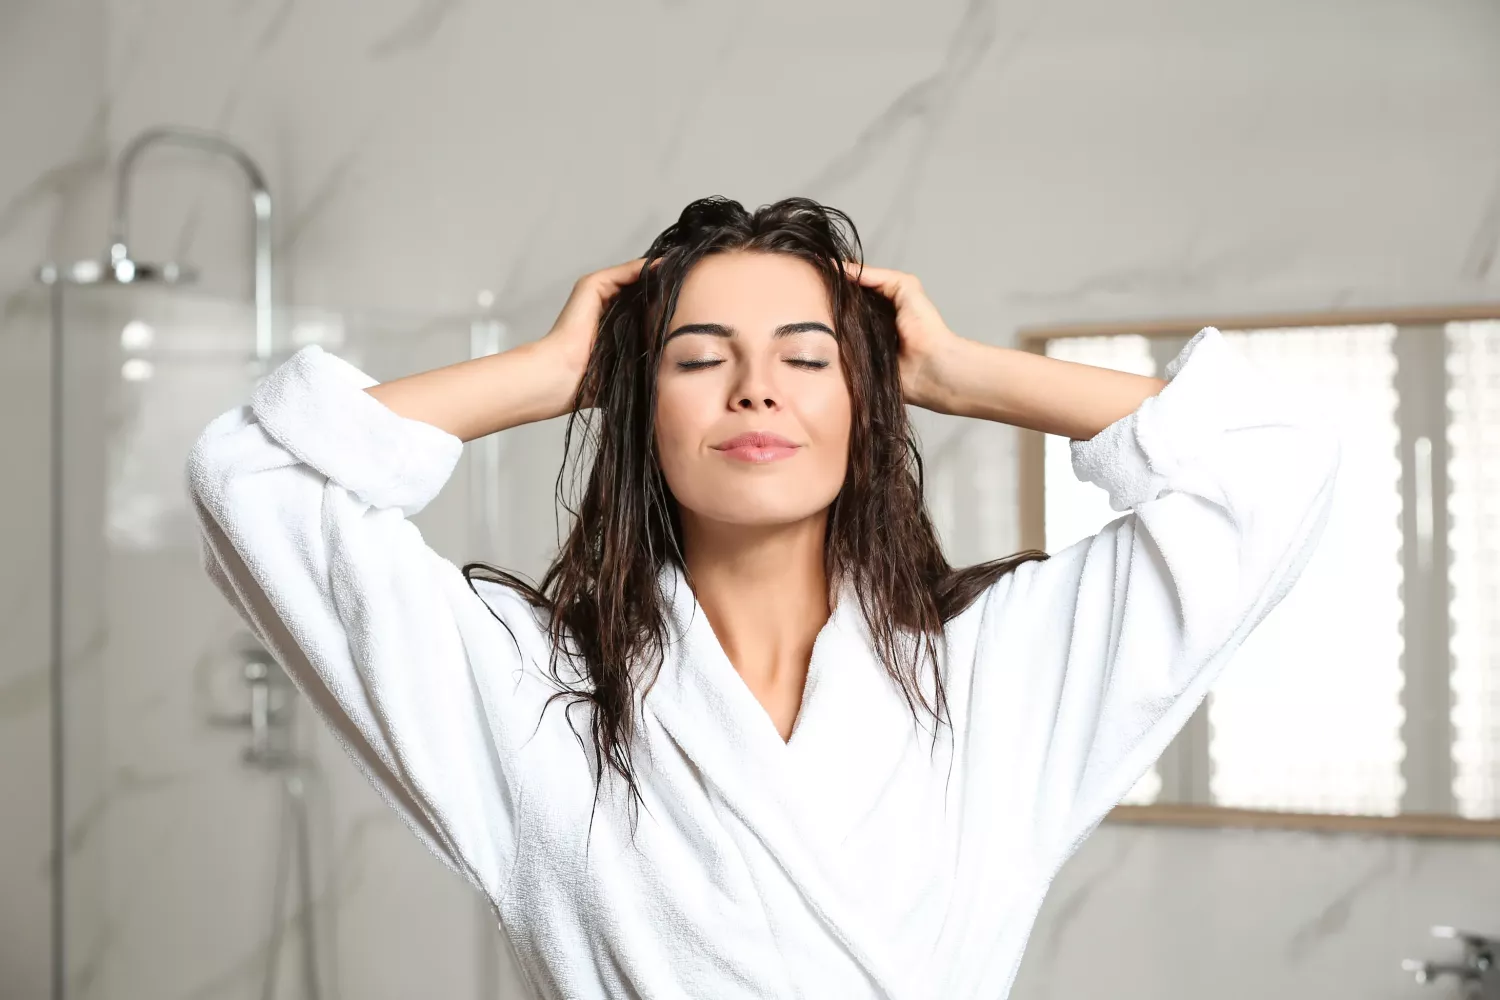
{"x":535,"y":381}
{"x":571,"y":339}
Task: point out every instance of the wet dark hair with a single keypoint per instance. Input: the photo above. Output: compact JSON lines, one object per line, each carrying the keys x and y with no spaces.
{"x":606,"y":611}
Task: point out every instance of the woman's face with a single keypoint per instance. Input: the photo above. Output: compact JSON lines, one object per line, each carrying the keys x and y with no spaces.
{"x":750,"y":351}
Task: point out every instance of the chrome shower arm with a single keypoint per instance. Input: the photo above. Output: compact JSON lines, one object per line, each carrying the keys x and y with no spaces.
{"x":260,"y":200}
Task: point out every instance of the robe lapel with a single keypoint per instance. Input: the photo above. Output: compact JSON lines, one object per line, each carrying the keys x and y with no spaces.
{"x":780,"y":790}
{"x":852,"y":732}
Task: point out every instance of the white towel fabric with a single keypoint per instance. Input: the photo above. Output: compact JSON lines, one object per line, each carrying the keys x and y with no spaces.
{"x":851,"y":861}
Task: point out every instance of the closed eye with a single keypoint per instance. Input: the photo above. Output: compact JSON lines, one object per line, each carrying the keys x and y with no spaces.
{"x":807,"y":363}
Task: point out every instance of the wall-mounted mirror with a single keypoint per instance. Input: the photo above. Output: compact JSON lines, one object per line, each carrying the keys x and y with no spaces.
{"x":1370,"y":697}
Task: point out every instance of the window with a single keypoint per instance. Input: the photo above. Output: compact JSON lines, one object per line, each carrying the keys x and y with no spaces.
{"x":1374,"y":687}
{"x":1473,"y":398}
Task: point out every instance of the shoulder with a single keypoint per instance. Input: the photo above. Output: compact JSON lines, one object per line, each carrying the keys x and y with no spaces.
{"x":505,"y":601}
{"x":1030,"y":599}
{"x":1019,"y":586}
{"x":526,"y":622}
{"x":530,"y":630}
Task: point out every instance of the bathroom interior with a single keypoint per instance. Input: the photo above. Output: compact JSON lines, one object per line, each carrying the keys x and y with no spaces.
{"x":189,"y":191}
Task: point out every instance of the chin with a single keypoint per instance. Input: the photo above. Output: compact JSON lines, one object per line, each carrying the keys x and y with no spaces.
{"x":761,"y":505}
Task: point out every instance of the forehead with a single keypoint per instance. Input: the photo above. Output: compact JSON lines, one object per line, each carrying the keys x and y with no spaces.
{"x":752,"y":289}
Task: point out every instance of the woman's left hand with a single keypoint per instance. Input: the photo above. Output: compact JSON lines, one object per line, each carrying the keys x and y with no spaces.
{"x":925,"y":338}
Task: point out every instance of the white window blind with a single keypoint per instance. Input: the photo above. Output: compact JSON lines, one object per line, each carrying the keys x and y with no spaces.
{"x":1307,"y":717}
{"x":1474,"y":567}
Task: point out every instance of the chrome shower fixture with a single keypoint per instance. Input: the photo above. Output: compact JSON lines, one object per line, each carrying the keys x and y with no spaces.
{"x":117,"y":267}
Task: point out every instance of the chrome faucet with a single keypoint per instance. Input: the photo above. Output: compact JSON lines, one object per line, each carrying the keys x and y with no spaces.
{"x":1477,"y":970}
{"x":269,"y":718}
{"x":268,"y":715}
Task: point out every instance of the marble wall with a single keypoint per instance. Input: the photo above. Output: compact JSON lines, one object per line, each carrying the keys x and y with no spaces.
{"x":52,"y":81}
{"x":1033,"y":162}
{"x":1143,"y":914}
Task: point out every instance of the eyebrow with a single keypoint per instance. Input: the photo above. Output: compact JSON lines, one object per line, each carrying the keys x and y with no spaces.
{"x":721,"y":330}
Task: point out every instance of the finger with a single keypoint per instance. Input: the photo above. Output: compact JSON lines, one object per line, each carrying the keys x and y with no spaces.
{"x":623,"y":273}
{"x":883,"y":279}
{"x":869,"y":275}
{"x":607,"y":282}
{"x":629,"y":271}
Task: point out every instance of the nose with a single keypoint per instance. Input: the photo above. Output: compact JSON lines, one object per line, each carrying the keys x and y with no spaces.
{"x":754,"y":390}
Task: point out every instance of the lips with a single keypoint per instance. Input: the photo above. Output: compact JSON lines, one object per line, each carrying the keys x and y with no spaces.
{"x":757,"y":446}
{"x":755,"y":439}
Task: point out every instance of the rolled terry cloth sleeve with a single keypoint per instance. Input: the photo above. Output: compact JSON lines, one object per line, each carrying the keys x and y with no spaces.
{"x":1227,"y":476}
{"x":302,"y":498}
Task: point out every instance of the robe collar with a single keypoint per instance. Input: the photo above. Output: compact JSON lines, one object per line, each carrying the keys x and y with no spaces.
{"x":801,"y":797}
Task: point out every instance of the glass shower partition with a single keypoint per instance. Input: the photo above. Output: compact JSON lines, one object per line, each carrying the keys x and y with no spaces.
{"x":216,"y":842}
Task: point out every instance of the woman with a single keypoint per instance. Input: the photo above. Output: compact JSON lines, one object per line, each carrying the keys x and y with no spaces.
{"x":753,"y":736}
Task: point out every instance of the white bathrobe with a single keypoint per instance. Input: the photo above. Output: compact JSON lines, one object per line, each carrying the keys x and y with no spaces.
{"x":852,"y":861}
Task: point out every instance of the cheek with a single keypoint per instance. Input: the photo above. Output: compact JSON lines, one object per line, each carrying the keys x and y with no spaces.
{"x":680,"y":424}
{"x":829,"y":416}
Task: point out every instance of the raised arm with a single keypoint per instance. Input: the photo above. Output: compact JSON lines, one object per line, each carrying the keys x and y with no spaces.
{"x":303,"y":498}
{"x":1085,"y":665}
{"x":1036,"y":392}
{"x":474,"y":398}
{"x":1225,"y":478}
{"x":536,"y":381}
{"x":946,"y":373}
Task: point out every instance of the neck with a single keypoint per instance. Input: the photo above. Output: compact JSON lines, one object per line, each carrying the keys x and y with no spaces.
{"x":765,"y":592}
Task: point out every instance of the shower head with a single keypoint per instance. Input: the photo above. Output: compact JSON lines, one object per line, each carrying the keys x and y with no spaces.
{"x":118,"y":271}
{"x":117,"y":268}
